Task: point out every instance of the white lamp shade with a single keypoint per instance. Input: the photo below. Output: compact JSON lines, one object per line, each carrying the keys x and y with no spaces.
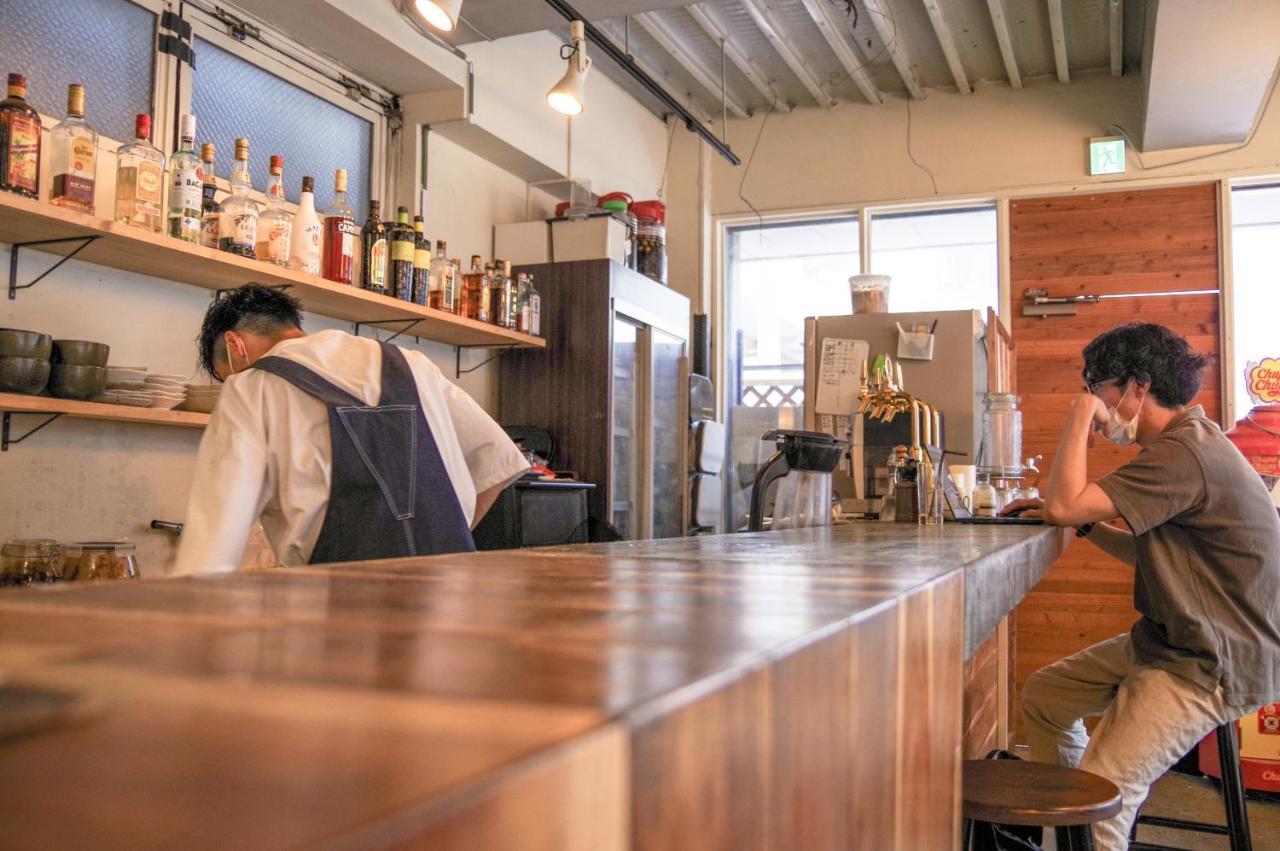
{"x":566,"y":96}
{"x":441,"y":14}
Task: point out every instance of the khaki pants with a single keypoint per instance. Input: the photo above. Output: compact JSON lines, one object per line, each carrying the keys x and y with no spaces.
{"x":1150,"y":718}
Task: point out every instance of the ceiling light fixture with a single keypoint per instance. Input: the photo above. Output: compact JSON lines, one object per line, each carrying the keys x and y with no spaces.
{"x":567,"y":96}
{"x":440,"y":14}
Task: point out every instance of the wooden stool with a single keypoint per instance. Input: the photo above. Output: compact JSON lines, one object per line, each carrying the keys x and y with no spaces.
{"x":1237,"y":829}
{"x":1012,"y":791}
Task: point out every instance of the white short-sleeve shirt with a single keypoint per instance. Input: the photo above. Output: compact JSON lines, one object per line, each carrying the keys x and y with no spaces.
{"x":266,"y":454}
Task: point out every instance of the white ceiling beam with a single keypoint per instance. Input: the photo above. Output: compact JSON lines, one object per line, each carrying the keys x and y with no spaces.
{"x":948,"y":41}
{"x":1059,"y":34}
{"x":1001,"y":25}
{"x":840,"y":39}
{"x":1117,"y":37}
{"x":680,"y":52}
{"x":887,"y":28}
{"x":619,"y":38}
{"x":715,"y":29}
{"x":777,"y":37}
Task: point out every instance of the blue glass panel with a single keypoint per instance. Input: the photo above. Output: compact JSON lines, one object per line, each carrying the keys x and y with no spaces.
{"x":232,"y":98}
{"x":108,"y":45}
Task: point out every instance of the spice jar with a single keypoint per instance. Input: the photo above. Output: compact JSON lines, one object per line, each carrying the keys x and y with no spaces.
{"x":27,"y":561}
{"x":986,"y":502}
{"x":651,"y":239}
{"x":101,"y":560}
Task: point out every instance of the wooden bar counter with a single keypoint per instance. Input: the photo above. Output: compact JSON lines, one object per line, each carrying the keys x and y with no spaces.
{"x":790,"y":690}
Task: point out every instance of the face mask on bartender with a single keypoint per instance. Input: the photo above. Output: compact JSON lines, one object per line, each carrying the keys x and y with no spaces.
{"x":1119,"y":431}
{"x":236,"y":351}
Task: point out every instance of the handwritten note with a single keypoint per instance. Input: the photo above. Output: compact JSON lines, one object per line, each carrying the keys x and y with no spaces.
{"x":839,"y":373}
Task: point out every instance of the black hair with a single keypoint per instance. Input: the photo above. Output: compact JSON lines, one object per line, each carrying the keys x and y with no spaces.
{"x":252,"y":308}
{"x":1143,"y":352}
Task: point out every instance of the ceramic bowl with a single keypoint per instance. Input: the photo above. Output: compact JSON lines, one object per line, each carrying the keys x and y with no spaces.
{"x":25,"y":344}
{"x":81,"y":353}
{"x":23,"y":375}
{"x":71,"y":381}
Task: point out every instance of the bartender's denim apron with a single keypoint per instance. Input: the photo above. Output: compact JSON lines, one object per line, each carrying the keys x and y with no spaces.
{"x":389,"y":493}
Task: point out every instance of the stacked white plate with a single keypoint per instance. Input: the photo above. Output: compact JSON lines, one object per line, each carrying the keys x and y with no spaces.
{"x":127,"y":385}
{"x":168,"y":390}
{"x":202,"y":398}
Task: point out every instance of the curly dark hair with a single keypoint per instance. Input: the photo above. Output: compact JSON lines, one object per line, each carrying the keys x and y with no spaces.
{"x":253,"y":308}
{"x":1144,"y":352}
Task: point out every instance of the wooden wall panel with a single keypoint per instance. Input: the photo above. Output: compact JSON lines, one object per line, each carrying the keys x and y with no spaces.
{"x":1151,"y":240}
{"x":982,"y":698}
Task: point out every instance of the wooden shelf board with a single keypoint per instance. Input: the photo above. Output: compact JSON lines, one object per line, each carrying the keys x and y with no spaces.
{"x":134,"y":250}
{"x":20,"y":404}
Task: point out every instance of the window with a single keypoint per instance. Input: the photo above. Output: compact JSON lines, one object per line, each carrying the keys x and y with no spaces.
{"x":108,"y":45}
{"x":938,"y":259}
{"x":1255,"y":248}
{"x":232,"y":97}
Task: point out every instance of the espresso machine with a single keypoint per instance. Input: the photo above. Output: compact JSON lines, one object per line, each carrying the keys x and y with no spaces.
{"x":801,"y":468}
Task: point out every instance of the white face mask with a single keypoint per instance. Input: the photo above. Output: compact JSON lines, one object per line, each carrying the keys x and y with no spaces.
{"x":244,"y":355}
{"x":1118,"y":431}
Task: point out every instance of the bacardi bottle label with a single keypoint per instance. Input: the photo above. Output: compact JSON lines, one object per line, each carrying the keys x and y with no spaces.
{"x":24,"y":152}
{"x":186,"y":188}
{"x":146,"y":201}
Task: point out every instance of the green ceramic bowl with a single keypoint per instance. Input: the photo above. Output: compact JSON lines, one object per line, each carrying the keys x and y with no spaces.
{"x":69,"y":381}
{"x":80,"y":353}
{"x":23,"y":375}
{"x":25,"y":344}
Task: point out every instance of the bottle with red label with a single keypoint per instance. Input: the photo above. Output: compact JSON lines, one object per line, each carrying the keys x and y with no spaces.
{"x":19,"y":141}
{"x":341,"y":235}
{"x":140,"y":180}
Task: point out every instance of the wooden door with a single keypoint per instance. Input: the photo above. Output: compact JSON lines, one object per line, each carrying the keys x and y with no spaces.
{"x":1141,"y":241}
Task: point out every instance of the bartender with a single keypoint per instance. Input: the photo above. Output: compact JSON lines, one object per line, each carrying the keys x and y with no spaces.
{"x":345,"y":448}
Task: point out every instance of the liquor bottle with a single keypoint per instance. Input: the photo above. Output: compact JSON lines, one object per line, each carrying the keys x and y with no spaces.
{"x":535,"y":310}
{"x":502,"y":295}
{"x":421,"y":263}
{"x":373,"y":252}
{"x":186,"y":181}
{"x":239,"y":211}
{"x":210,"y":209}
{"x":74,"y":156}
{"x":19,"y":141}
{"x":140,"y":180}
{"x":475,"y":292}
{"x":308,"y":230}
{"x":341,"y":236}
{"x":443,"y":290}
{"x":522,"y":302}
{"x":275,"y":223}
{"x":400,"y":269}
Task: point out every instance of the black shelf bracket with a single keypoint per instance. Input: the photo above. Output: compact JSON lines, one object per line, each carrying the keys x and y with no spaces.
{"x":458,"y":371}
{"x":6,"y":440}
{"x":378,"y":323}
{"x":14,"y":286}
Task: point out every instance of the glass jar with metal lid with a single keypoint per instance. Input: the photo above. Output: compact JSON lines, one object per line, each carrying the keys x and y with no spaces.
{"x":1002,"y":433}
{"x":651,"y":239}
{"x":101,"y":560}
{"x":27,"y":561}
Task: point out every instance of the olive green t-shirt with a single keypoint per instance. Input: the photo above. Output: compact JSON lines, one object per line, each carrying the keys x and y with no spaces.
{"x":1208,"y":573}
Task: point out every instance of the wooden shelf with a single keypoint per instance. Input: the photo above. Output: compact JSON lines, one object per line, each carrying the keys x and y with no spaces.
{"x":134,"y":250}
{"x":17,"y":403}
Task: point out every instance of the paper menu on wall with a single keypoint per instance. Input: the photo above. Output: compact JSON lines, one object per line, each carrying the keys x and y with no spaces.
{"x":839,"y":374}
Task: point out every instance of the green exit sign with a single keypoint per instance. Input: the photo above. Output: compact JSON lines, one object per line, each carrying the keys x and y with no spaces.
{"x":1106,"y":155}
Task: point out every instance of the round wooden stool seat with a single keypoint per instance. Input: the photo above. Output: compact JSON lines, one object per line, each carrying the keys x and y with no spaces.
{"x":1013,"y":791}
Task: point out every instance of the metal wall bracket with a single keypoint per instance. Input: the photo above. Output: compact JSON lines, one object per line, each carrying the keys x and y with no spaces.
{"x":458,"y":371}
{"x":6,"y":440}
{"x":14,"y":286}
{"x":377,"y":323}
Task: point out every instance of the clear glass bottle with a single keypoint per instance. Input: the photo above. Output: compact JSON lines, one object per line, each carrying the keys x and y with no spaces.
{"x":73,"y":148}
{"x":475,"y":292}
{"x":373,"y":252}
{"x":308,"y":232}
{"x":186,"y":183}
{"x":522,"y":302}
{"x":402,"y":245}
{"x":502,"y":296}
{"x":210,"y":209}
{"x":341,"y":236}
{"x":459,"y":284}
{"x":443,"y":292}
{"x":986,"y":502}
{"x":421,"y":263}
{"x":19,"y":141}
{"x":239,"y":210}
{"x":535,"y":309}
{"x":140,"y":180}
{"x":275,"y":222}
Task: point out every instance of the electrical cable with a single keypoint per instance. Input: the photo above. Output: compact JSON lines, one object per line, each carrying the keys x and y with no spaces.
{"x":747,"y":170}
{"x":671,"y":135}
{"x":910,"y":154}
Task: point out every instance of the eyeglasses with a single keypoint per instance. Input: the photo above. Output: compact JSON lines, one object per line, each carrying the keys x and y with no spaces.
{"x":1092,"y":386}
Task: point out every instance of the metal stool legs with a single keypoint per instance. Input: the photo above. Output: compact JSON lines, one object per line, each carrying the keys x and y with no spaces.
{"x":1077,"y":837}
{"x":1237,"y":829}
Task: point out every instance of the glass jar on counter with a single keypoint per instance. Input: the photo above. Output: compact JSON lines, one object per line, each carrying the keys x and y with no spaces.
{"x":1002,"y":432}
{"x":29,"y":561}
{"x":651,"y":239}
{"x":101,"y":560}
{"x":985,"y":500}
{"x":618,"y":208}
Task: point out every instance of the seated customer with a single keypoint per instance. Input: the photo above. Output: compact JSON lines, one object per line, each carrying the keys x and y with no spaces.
{"x":1206,"y":545}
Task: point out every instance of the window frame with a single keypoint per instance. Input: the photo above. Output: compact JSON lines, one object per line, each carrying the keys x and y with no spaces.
{"x":1226,"y":283}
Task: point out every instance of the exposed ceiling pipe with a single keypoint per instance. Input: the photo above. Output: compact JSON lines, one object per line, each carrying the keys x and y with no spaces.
{"x":604,"y":43}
